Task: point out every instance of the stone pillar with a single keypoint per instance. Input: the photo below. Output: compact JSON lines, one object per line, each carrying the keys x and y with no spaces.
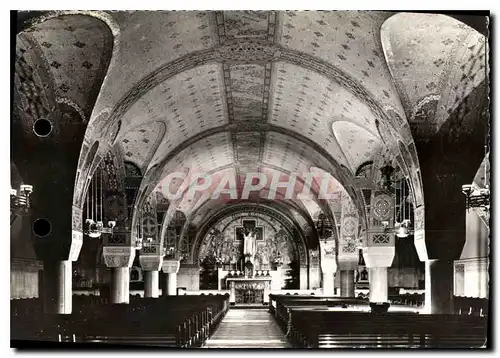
{"x":57,"y":287}
{"x":120,"y":285}
{"x":347,"y":283}
{"x":170,"y":268}
{"x":328,"y":269}
{"x":151,"y":265}
{"x":378,"y":259}
{"x":377,"y":277}
{"x":438,"y":286}
{"x":171,"y":284}
{"x":151,"y":282}
{"x":119,"y":259}
{"x":328,"y":284}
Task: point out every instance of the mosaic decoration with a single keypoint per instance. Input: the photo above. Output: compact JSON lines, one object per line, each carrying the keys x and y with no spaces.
{"x":382,"y":207}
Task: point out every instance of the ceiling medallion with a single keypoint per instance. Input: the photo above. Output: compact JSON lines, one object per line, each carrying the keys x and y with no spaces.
{"x":247,"y":51}
{"x":382,"y":207}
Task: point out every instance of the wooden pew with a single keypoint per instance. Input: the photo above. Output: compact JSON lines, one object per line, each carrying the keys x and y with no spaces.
{"x":360,"y":330}
{"x":174,"y":321}
{"x":309,"y":324}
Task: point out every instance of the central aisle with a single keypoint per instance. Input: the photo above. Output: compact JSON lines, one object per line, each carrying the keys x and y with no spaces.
{"x":248,"y":328}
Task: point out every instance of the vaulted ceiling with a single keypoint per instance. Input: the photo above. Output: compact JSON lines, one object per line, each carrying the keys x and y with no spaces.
{"x":241,"y":91}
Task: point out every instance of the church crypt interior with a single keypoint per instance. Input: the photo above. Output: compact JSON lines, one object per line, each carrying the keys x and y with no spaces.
{"x":250,"y":179}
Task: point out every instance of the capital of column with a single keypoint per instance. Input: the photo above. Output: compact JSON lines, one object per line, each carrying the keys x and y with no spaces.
{"x":378,"y":256}
{"x":118,"y":256}
{"x":170,"y":266}
{"x":151,"y":262}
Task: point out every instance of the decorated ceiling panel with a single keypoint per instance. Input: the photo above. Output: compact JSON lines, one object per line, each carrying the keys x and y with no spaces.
{"x":359,"y":145}
{"x":469,"y":73}
{"x":246,"y":24}
{"x":350,"y":40}
{"x":204,"y":156}
{"x":285,"y":152}
{"x":138,"y":146}
{"x":189,"y":103}
{"x":75,"y":50}
{"x":148,"y":40}
{"x":211,"y":153}
{"x":420,"y":49}
{"x":247,"y":87}
{"x":247,"y":146}
{"x":308,"y":103}
{"x":436,"y":62}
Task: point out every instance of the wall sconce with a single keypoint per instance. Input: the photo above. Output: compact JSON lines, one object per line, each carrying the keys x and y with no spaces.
{"x":20,"y":200}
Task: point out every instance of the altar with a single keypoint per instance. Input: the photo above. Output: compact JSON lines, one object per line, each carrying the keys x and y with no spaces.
{"x":249,"y":290}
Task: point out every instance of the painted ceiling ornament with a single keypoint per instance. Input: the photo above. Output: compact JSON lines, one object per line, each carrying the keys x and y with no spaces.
{"x":383,"y":207}
{"x":247,"y":51}
{"x":150,"y":225}
{"x":349,"y":226}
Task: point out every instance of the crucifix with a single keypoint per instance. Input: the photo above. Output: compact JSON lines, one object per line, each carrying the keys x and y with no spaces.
{"x":249,"y":234}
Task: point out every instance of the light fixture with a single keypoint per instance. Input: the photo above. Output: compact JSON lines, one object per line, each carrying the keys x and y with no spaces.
{"x":387,"y":170}
{"x":402,"y":229}
{"x":20,"y":201}
{"x":170,"y":252}
{"x":323,"y":227}
{"x":476,"y":197}
{"x":94,"y":226}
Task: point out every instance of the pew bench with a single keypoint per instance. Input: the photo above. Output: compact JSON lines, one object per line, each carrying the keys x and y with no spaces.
{"x":316,"y":329}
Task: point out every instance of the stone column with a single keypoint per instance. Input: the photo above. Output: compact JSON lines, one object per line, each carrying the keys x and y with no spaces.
{"x":151,"y":265}
{"x":57,"y":287}
{"x":379,"y":251}
{"x":347,"y":283}
{"x":119,"y":259}
{"x":438,"y":286}
{"x":120,"y":285}
{"x":378,"y":259}
{"x":328,"y":284}
{"x":377,"y":277}
{"x":328,"y":268}
{"x":170,"y":268}
{"x":151,"y":282}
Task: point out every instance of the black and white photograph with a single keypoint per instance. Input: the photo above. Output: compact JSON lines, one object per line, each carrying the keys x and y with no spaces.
{"x":250,"y":179}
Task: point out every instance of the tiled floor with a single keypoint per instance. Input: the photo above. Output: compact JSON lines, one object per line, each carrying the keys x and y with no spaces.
{"x":248,"y":328}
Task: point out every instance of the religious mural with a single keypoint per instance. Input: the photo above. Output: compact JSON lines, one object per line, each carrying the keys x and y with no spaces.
{"x":233,"y":245}
{"x":266,"y":245}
